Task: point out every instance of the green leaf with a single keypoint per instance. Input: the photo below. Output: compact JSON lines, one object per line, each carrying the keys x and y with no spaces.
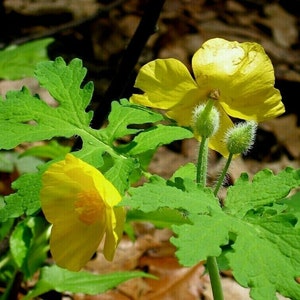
{"x":29,"y":244}
{"x":265,"y":188}
{"x":265,"y":255}
{"x":119,"y":173}
{"x":258,"y":264}
{"x":124,"y":114}
{"x":186,"y":171}
{"x":293,"y":205}
{"x":24,"y":117}
{"x":203,"y":238}
{"x":270,"y":262}
{"x":5,"y":227}
{"x":20,"y":243}
{"x":152,"y":196}
{"x":25,"y":200}
{"x":51,"y":150}
{"x":131,"y":119}
{"x":265,"y":247}
{"x":156,"y":136}
{"x":64,"y":84}
{"x":19,"y":61}
{"x":262,"y":244}
{"x":55,"y":278}
{"x":292,"y":202}
{"x":162,"y":218}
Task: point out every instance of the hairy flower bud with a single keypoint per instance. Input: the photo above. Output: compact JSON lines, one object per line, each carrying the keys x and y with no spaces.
{"x":240,"y":138}
{"x":205,"y":120}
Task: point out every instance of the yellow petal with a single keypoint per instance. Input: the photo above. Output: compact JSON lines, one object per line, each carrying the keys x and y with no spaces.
{"x":182,"y":112}
{"x":165,"y":82}
{"x":58,"y":194}
{"x":141,"y":99}
{"x":73,"y":243}
{"x":106,"y":189}
{"x":120,"y":214}
{"x":114,"y":231}
{"x":243,"y":74}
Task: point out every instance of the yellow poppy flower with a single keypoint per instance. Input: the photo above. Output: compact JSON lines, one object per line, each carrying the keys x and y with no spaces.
{"x":80,"y":203}
{"x":240,"y":74}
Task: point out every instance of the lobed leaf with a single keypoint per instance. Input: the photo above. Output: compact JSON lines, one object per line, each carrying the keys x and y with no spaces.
{"x":265,"y":252}
{"x":25,"y":200}
{"x":26,"y":118}
{"x":203,"y":238}
{"x":125,"y":117}
{"x":265,"y":188}
{"x":152,"y":196}
{"x":263,"y":243}
{"x":120,"y":172}
{"x":266,"y":258}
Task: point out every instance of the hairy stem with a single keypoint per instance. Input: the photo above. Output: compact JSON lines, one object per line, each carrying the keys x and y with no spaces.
{"x":212,"y":265}
{"x":202,"y":162}
{"x":223,"y":174}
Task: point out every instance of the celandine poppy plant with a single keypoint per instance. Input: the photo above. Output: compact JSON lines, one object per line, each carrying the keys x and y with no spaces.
{"x":80,"y":203}
{"x":239,"y":76}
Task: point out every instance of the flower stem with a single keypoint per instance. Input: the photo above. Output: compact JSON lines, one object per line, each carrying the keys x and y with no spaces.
{"x":214,"y":275}
{"x":212,"y":265}
{"x":221,"y":178}
{"x":202,"y":162}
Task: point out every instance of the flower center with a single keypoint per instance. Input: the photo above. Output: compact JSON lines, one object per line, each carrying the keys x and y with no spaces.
{"x":214,"y":94}
{"x":89,"y":206}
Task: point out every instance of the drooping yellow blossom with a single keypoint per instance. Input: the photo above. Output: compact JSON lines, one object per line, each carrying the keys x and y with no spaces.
{"x":239,"y":76}
{"x":81,"y":204}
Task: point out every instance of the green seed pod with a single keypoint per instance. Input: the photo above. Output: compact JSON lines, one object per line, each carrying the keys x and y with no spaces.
{"x":240,"y":138}
{"x":206,"y":120}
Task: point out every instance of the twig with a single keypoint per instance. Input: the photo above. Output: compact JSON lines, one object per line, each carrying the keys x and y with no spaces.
{"x":132,"y":53}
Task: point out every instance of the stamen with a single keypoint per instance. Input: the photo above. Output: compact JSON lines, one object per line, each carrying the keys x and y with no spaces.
{"x":89,"y":207}
{"x":214,"y":94}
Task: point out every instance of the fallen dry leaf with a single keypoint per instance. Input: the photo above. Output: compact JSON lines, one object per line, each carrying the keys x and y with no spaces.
{"x":153,"y":252}
{"x":283,"y":25}
{"x":287,"y":132}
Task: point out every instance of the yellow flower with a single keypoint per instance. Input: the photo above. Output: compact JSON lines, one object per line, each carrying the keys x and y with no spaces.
{"x":80,"y":203}
{"x":239,"y":75}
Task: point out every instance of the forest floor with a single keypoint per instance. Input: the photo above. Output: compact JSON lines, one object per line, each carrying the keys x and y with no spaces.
{"x":100,"y":40}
